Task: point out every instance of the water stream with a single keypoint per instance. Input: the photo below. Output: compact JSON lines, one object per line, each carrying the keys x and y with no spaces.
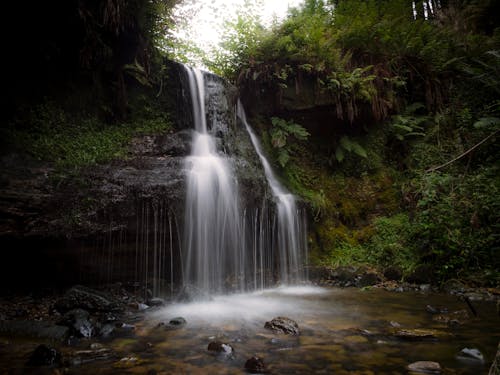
{"x":227,"y":244}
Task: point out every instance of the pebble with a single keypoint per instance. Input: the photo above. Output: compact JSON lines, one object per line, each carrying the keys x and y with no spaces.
{"x":425,"y":367}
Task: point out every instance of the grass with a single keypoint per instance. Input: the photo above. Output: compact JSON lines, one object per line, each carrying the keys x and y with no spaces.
{"x":72,"y":141}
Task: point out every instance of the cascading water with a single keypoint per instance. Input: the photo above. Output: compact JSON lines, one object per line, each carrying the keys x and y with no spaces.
{"x":212,"y":221}
{"x":228,"y":246}
{"x":292,"y":242}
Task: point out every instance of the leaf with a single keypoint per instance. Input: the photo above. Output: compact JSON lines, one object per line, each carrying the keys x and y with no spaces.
{"x":402,"y":127}
{"x":486,"y":122}
{"x":278,"y":138}
{"x":339,"y":154}
{"x":359,"y":150}
{"x":283,"y":157}
{"x":345,"y":142}
{"x":412,"y":108}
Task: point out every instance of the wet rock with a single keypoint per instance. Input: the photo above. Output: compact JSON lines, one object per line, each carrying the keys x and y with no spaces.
{"x":78,"y":321}
{"x":106,"y":330}
{"x":255,"y":365}
{"x":425,"y":288}
{"x":425,"y":367}
{"x":422,"y":274}
{"x":453,"y":287}
{"x":455,"y":318}
{"x":177,"y":322}
{"x":367,"y":279}
{"x":220,"y":347}
{"x":128,"y":362}
{"x":81,"y":357}
{"x":176,"y":144}
{"x":156,"y":302}
{"x":283,"y":325}
{"x":436,"y":309}
{"x":127,"y":327}
{"x":473,"y":354}
{"x":80,"y":297}
{"x":393,"y":273}
{"x":139,"y":306}
{"x":44,"y":356}
{"x":33,"y":329}
{"x":419,"y":334}
{"x":344,"y":276}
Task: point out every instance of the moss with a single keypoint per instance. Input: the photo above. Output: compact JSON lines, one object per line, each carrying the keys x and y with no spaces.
{"x":74,"y":139}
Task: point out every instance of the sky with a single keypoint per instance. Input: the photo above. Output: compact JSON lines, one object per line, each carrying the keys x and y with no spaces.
{"x":206,"y":17}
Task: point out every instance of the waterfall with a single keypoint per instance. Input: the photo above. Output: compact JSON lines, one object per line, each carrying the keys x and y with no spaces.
{"x":212,"y":218}
{"x":227,"y":246}
{"x":292,"y":241}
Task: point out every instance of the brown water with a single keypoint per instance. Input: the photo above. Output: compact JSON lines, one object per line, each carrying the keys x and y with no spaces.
{"x":343,"y":331}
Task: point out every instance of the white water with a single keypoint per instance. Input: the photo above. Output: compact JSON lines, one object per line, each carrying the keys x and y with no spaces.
{"x":212,"y":218}
{"x":292,"y":242}
{"x":252,"y":308}
{"x":228,"y":247}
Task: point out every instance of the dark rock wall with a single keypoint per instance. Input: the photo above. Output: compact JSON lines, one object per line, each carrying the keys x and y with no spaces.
{"x":122,"y":220}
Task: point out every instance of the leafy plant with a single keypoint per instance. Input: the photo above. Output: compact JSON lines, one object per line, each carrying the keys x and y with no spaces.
{"x":409,"y":124}
{"x":348,"y":145}
{"x":281,"y":132}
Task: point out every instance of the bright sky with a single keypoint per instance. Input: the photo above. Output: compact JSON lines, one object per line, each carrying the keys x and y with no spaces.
{"x":206,"y":17}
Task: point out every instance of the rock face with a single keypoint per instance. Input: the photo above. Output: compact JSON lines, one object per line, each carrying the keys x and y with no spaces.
{"x":119,"y":208}
{"x":283,"y":325}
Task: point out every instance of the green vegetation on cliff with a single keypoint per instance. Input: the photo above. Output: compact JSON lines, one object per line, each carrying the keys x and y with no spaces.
{"x":84,"y":77}
{"x":401,"y":101}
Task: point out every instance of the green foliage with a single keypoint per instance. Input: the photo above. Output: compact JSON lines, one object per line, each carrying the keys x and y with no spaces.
{"x":281,"y":133}
{"x":393,"y":242}
{"x":346,"y":144}
{"x":409,"y":124}
{"x":74,"y":140}
{"x":487,"y":122}
{"x":457,"y":220}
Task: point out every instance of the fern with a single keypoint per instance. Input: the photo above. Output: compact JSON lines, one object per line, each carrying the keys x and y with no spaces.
{"x":348,"y":145}
{"x":280,"y":133}
{"x":487,"y":122}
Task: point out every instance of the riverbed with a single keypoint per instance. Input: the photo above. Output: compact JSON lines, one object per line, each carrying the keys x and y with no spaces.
{"x":342,"y":331}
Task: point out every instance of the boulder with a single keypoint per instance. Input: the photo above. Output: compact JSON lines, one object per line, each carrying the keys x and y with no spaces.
{"x":367,"y":279}
{"x":155,"y":302}
{"x":255,"y":365}
{"x":80,"y":297}
{"x":393,"y":273}
{"x":220,"y":347}
{"x":422,"y":274}
{"x":44,"y":356}
{"x":471,"y":354}
{"x":177,"y":322}
{"x":79,"y":322}
{"x":283,"y":325}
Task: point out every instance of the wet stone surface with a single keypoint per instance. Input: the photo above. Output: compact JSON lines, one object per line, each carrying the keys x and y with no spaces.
{"x":342,"y":331}
{"x":283,"y":325}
